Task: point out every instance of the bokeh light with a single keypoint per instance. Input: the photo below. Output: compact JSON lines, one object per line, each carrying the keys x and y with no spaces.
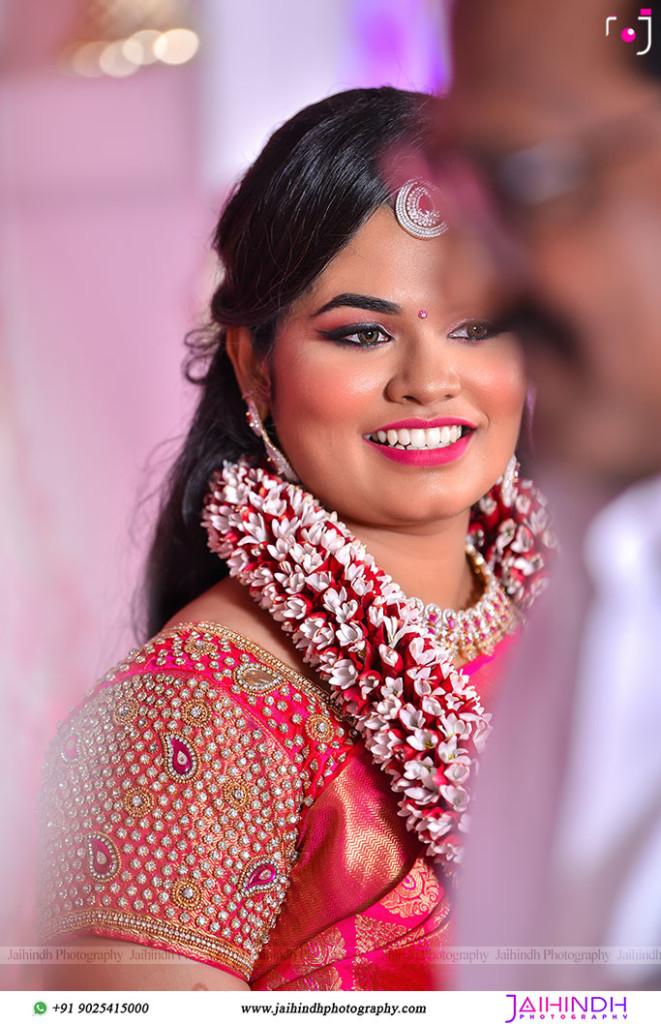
{"x":139,"y":48}
{"x":119,"y":37}
{"x":177,"y":46}
{"x":112,"y":61}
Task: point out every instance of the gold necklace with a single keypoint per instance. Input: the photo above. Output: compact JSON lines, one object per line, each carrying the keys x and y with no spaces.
{"x":478,"y":629}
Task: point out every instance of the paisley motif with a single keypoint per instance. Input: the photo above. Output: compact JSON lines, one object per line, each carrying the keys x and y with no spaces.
{"x":256,"y":679}
{"x":181,"y":760}
{"x":420,"y":889}
{"x":326,"y":948}
{"x":102,"y":857}
{"x":258,"y":876}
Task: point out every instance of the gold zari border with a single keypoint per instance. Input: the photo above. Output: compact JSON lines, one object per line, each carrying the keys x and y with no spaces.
{"x":243,"y":643}
{"x":135,"y":926}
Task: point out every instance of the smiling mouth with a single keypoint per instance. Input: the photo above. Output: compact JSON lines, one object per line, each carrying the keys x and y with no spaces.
{"x":418,"y":439}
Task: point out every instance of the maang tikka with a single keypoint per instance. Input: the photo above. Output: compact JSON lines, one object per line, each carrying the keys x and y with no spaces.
{"x":278,"y":459}
{"x":418,"y":209}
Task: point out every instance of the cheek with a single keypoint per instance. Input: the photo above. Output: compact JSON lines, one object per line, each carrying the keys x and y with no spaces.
{"x":503,"y":386}
{"x":319,"y":387}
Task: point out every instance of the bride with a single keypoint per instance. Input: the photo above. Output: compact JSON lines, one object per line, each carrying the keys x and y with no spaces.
{"x":273,"y":789}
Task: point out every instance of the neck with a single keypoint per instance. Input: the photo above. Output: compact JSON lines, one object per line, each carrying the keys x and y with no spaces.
{"x":429,"y":563}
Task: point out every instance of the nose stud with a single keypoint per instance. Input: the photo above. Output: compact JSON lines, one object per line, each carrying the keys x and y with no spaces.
{"x":422,"y":313}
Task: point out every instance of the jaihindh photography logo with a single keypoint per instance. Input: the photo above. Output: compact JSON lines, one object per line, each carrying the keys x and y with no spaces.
{"x":642,"y":33}
{"x":565,"y":1007}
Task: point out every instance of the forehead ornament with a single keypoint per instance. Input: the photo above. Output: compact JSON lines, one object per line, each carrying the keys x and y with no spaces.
{"x":417,"y":208}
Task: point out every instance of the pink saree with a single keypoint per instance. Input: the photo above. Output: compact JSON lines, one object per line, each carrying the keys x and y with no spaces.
{"x":206,"y":799}
{"x":365,"y":908}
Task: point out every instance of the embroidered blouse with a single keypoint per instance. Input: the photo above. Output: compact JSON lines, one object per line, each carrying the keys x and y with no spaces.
{"x":207,"y":800}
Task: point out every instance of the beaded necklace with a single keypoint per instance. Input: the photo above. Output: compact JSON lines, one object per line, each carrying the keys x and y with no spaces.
{"x":479,"y":628}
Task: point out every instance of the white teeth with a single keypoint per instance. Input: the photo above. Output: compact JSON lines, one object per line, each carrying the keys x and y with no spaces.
{"x":417,"y":438}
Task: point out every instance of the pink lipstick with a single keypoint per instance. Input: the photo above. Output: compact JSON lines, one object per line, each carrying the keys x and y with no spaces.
{"x":419,"y":442}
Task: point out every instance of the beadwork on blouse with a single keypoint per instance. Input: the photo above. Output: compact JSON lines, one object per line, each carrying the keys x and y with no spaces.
{"x":172,"y":797}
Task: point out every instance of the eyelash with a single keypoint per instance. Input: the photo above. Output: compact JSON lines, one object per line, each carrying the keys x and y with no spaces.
{"x":342,"y":335}
{"x":466,"y":325}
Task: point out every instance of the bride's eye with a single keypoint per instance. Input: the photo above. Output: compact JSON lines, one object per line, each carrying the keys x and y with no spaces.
{"x":472,"y":330}
{"x":370,"y":336}
{"x":360,"y":335}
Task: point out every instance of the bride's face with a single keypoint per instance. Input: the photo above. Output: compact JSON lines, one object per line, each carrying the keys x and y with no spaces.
{"x":394,"y":402}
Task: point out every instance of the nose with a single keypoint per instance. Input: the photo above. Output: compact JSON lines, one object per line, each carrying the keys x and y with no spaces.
{"x":425,"y":372}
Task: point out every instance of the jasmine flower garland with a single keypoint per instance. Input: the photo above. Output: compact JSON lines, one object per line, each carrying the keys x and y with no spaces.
{"x":420,"y":717}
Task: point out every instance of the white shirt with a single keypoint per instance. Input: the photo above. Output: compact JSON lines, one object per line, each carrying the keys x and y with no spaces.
{"x":609,"y":828}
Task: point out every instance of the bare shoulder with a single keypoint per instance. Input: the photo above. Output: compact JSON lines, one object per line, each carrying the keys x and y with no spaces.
{"x":229,"y":604}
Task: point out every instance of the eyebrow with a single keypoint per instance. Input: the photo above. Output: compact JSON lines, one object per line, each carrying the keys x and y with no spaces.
{"x":369,"y":302}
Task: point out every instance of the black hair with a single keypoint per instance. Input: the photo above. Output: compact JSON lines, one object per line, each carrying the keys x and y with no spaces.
{"x":315,"y":183}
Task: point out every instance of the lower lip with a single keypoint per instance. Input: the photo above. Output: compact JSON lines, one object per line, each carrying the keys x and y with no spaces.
{"x":425,"y":456}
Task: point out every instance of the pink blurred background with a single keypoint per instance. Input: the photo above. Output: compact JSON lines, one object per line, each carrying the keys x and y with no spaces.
{"x":109,"y":190}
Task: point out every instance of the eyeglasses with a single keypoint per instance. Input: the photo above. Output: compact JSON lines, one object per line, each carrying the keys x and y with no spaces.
{"x":521,"y":185}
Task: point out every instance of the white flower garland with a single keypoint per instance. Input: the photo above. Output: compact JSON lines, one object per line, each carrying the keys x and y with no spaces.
{"x":421,"y":718}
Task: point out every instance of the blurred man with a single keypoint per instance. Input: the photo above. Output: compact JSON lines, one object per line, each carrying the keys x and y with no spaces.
{"x":556,"y":130}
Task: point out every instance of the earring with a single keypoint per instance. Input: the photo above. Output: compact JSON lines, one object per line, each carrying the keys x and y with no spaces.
{"x":277,"y":459}
{"x":508,"y":482}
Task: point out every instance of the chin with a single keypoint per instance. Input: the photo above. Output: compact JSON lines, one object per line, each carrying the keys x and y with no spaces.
{"x":414,"y":503}
{"x":419,"y":513}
